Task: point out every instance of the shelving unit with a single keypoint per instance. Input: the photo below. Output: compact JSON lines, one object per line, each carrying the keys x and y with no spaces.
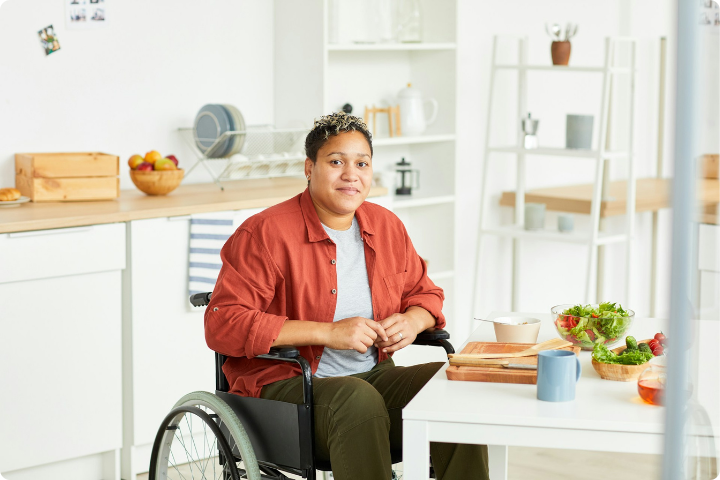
{"x":314,"y":77}
{"x":593,"y":238}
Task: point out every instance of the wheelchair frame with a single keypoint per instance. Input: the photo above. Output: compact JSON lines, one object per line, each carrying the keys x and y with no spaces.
{"x":282,"y":433}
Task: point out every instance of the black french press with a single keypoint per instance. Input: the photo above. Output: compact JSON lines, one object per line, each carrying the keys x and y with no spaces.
{"x":406,"y":178}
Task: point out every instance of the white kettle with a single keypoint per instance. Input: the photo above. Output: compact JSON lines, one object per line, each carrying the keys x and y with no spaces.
{"x":412,"y":111}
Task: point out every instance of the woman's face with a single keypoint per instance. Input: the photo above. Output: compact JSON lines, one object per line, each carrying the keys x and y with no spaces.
{"x":341,"y":176}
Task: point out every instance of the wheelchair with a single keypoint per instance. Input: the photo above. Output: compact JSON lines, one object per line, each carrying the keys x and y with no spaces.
{"x":229,"y":437}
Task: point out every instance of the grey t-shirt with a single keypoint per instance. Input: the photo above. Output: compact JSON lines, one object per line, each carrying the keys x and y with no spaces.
{"x":353,"y":300}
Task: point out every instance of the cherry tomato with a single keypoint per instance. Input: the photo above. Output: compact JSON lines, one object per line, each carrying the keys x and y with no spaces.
{"x":660,"y":337}
{"x":653,"y":344}
{"x":657,"y":351}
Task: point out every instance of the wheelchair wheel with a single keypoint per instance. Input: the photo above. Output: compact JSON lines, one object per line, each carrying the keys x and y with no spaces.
{"x":202,"y":438}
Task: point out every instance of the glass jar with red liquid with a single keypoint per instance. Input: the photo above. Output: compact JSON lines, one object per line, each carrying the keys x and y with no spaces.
{"x":651,"y":384}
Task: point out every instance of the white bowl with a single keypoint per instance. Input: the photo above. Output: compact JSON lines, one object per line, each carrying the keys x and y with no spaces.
{"x":516,"y":329}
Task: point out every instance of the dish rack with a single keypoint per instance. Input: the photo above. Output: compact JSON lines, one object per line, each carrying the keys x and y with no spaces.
{"x":266,"y":152}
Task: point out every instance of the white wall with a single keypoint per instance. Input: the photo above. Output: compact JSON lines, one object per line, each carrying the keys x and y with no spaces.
{"x":551,"y":273}
{"x":126,"y":88}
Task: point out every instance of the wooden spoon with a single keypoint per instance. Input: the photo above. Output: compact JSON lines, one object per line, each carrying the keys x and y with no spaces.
{"x":457,"y":362}
{"x":553,"y":344}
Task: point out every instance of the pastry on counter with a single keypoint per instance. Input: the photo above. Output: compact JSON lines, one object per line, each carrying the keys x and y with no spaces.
{"x":9,"y":194}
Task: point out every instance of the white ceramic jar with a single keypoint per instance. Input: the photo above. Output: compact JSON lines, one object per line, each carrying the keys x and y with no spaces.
{"x":413,"y":120}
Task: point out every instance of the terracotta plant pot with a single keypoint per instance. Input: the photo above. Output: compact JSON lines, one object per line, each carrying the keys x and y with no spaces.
{"x":560,"y":52}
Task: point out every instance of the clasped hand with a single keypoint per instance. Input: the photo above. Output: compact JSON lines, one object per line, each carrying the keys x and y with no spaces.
{"x":358,"y":333}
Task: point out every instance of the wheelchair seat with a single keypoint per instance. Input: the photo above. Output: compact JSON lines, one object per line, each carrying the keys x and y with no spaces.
{"x":269,"y":437}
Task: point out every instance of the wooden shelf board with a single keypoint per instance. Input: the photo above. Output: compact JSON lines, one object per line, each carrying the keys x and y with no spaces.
{"x":563,"y":68}
{"x":559,"y":152}
{"x":410,"y":201}
{"x":582,"y":237}
{"x":389,"y":47}
{"x":135,"y":205}
{"x":652,"y":194}
{"x":392,"y":141}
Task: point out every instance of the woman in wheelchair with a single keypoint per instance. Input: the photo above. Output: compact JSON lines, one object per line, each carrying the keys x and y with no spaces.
{"x":338,"y":278}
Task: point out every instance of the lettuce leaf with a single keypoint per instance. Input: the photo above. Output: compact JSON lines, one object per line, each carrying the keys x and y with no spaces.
{"x":602,"y":354}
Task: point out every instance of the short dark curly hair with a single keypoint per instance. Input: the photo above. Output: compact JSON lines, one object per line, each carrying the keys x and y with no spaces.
{"x":334,"y":124}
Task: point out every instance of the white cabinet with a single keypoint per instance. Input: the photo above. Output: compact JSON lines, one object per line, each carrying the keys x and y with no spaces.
{"x":164,"y":354}
{"x":60,"y":317}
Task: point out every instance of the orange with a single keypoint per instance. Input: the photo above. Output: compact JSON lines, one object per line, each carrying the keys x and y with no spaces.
{"x":152,"y":156}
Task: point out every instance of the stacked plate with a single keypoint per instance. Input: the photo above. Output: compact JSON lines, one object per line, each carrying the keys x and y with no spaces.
{"x":211,"y":124}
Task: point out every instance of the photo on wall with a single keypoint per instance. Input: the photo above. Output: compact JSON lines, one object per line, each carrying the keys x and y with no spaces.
{"x":49,"y":40}
{"x":85,"y":14}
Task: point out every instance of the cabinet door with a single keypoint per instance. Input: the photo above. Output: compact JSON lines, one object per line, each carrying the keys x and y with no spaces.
{"x":167,"y":341}
{"x":60,"y":353}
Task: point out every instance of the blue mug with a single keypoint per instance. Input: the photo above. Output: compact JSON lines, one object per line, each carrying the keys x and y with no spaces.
{"x":558,"y":372}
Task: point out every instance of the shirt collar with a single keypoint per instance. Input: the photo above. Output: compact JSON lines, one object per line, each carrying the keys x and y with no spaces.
{"x":316,"y":232}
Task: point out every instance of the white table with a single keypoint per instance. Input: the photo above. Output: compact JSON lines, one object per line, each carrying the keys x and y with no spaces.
{"x":605,"y":416}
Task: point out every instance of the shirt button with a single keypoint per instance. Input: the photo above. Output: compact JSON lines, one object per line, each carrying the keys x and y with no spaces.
{"x":215,"y":309}
{"x":329,"y":241}
{"x":334,"y":291}
{"x":332,"y":261}
{"x":317,"y":358}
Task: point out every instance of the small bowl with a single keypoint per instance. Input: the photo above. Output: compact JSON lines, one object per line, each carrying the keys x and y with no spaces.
{"x":157,"y":182}
{"x":517,"y":329}
{"x":620,"y":373}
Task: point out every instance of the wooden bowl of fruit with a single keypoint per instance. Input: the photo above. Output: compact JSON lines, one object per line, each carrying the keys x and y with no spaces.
{"x":155,"y":175}
{"x":626,"y":363}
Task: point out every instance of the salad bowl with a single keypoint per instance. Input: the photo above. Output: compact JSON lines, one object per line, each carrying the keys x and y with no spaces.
{"x":587,"y":325}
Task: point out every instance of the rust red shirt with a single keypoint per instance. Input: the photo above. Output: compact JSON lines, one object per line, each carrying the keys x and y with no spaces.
{"x":279,"y":265}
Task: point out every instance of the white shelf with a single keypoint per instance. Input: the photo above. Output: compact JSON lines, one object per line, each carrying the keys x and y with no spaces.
{"x":515,"y":231}
{"x":560,"y":152}
{"x":442,"y":275}
{"x":408,"y":201}
{"x":393,"y":141}
{"x":562,"y":68}
{"x":389,"y":47}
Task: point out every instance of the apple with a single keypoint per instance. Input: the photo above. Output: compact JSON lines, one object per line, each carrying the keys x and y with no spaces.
{"x":152,"y":156}
{"x":135,"y":160}
{"x":144,"y":167}
{"x":164,"y":164}
{"x":174,"y":159}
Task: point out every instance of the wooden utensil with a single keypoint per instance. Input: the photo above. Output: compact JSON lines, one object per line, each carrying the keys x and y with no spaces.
{"x":553,"y":344}
{"x":458,"y":360}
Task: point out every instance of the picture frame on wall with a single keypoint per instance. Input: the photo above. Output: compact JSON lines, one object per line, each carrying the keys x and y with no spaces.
{"x":85,"y":14}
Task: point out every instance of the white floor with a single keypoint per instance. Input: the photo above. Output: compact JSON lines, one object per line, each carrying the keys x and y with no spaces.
{"x":553,"y":464}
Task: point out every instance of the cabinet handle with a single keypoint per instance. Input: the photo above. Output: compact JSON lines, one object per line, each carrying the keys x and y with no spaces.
{"x":54,"y":231}
{"x":178,"y":218}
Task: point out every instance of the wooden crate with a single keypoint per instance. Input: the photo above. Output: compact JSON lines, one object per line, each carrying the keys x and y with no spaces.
{"x":53,"y":177}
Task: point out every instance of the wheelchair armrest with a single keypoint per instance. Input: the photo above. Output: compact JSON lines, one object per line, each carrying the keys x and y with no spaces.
{"x":436,"y":337}
{"x":200,"y":299}
{"x":291,"y":354}
{"x":281,"y":353}
{"x":433,"y":334}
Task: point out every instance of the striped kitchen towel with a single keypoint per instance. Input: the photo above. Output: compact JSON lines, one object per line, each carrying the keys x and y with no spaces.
{"x":208,"y":234}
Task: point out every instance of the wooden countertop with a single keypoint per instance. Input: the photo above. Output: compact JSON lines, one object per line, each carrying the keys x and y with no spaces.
{"x":135,"y":205}
{"x":652,"y":194}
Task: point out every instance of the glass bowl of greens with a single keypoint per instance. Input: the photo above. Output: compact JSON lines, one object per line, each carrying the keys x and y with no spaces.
{"x":588,"y":325}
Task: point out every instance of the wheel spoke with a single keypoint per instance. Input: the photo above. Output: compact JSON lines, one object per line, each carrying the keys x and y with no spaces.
{"x":175,"y":466}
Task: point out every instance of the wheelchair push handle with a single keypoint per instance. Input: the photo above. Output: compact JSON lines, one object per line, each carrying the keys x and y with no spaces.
{"x":200,"y":299}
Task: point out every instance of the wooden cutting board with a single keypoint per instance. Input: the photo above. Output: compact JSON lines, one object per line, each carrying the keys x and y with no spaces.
{"x":498,"y":374}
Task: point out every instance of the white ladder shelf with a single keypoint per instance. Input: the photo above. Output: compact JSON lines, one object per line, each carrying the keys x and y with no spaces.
{"x":594,"y":238}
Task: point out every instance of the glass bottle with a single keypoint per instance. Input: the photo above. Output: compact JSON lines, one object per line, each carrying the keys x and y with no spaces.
{"x":410,"y":21}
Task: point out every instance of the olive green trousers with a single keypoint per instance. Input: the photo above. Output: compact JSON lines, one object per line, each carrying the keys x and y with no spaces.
{"x":358,"y":420}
